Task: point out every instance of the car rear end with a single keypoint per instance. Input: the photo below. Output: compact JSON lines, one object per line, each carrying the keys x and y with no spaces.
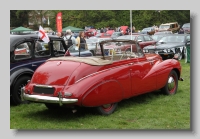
{"x":55,"y":81}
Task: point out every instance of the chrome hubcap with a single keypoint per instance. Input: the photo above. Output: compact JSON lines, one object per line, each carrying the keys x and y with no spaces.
{"x":171,"y":83}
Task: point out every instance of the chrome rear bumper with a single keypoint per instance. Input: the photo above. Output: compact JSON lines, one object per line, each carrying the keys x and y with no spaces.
{"x":46,"y":99}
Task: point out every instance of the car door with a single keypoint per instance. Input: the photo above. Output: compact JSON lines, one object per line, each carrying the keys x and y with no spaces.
{"x":142,"y":79}
{"x":22,"y":56}
{"x":41,"y":52}
{"x":141,"y":41}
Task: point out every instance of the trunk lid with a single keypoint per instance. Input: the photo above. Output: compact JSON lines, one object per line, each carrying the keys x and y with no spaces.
{"x":55,"y":72}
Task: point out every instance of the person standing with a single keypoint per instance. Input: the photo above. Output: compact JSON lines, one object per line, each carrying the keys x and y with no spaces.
{"x":181,"y":31}
{"x":70,"y":39}
{"x":133,"y":29}
{"x":59,"y":34}
{"x":81,"y":42}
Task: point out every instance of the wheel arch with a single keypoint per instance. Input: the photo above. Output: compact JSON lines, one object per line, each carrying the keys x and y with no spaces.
{"x":19,"y":73}
{"x":177,"y":72}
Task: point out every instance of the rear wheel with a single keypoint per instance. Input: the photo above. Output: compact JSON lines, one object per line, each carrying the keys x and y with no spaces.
{"x":106,"y":109}
{"x":172,"y":84}
{"x":16,"y":91}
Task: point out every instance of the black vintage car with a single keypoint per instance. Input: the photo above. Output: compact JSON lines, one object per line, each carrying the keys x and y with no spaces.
{"x":27,"y":53}
{"x":170,"y":45}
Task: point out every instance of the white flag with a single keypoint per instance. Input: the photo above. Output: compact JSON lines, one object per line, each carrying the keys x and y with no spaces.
{"x":48,"y":21}
{"x":43,"y":36}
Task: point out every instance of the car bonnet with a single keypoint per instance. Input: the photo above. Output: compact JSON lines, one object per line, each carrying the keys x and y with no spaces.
{"x":164,"y":46}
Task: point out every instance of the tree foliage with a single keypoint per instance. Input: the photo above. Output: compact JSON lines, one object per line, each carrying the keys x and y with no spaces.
{"x":101,"y":18}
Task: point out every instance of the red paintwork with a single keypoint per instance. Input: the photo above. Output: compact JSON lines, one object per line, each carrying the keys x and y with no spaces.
{"x":103,"y":35}
{"x":123,"y":29}
{"x":110,"y":32}
{"x":144,"y":43}
{"x":90,"y":32}
{"x":105,"y":84}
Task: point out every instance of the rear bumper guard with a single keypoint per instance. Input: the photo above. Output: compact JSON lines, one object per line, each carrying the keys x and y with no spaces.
{"x":46,"y":99}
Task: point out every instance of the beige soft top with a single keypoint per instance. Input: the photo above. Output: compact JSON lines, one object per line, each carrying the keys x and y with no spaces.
{"x":96,"y":61}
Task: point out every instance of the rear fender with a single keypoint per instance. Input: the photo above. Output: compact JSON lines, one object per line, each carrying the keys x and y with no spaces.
{"x":15,"y":75}
{"x":97,"y":89}
{"x":104,"y":92}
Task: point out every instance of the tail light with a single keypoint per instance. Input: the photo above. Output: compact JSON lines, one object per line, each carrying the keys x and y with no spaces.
{"x":67,"y":53}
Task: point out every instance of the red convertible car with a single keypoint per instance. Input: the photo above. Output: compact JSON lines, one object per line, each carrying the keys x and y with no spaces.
{"x":101,"y":81}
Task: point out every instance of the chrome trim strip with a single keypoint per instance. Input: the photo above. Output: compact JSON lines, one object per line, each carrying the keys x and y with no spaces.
{"x":46,"y":99}
{"x":43,"y":86}
{"x":91,"y":75}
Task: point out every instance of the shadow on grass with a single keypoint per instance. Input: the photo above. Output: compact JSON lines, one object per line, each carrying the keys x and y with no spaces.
{"x":66,"y":114}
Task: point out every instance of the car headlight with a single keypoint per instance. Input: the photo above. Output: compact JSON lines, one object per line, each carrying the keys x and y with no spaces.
{"x":165,"y":50}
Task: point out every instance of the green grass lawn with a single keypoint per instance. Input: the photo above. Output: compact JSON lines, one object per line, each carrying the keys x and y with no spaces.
{"x":149,"y":111}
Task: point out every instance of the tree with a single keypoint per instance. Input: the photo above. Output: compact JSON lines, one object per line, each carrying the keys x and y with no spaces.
{"x":19,"y":18}
{"x":100,"y":18}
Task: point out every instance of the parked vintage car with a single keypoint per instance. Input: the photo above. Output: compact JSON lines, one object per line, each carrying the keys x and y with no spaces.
{"x":163,"y":32}
{"x":186,"y":28}
{"x":91,"y":32}
{"x":101,"y":81}
{"x":169,"y":45}
{"x":110,"y":32}
{"x":102,"y":35}
{"x":74,"y":51}
{"x":148,"y":30}
{"x":173,"y":26}
{"x":116,"y":35}
{"x":157,"y":37}
{"x":123,"y":29}
{"x":27,"y":53}
{"x":143,"y":39}
{"x":93,"y":43}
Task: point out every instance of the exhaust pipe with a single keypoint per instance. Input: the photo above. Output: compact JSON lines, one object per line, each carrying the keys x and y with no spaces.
{"x":180,"y":79}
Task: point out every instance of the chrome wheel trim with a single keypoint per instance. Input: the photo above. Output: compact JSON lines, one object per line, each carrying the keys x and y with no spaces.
{"x":171,"y":84}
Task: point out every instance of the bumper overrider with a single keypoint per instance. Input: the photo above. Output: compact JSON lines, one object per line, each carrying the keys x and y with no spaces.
{"x":46,"y":99}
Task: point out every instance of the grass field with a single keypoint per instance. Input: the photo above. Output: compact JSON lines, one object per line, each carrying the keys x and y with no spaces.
{"x":148,"y":111}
